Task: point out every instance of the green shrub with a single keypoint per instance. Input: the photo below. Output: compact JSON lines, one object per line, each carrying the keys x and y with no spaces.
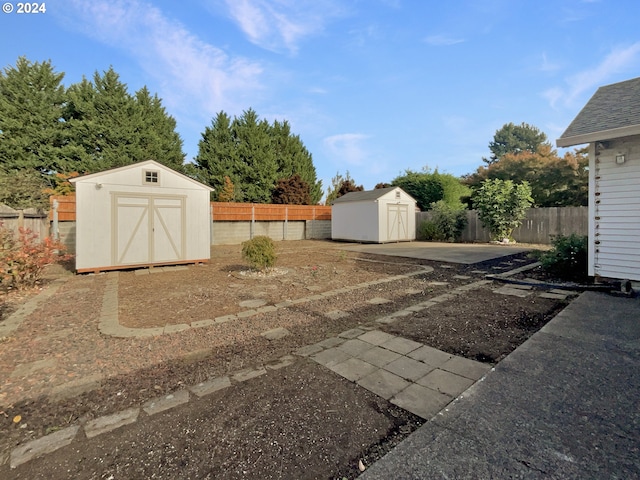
{"x":568,"y":257}
{"x":446,"y":224}
{"x":259,"y":252}
{"x":427,"y":230}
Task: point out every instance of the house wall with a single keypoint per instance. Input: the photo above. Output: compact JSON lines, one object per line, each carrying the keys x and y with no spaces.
{"x":355,"y":221}
{"x":614,"y":209}
{"x":94,"y":209}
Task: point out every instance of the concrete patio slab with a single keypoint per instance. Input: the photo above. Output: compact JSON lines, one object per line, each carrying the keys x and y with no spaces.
{"x":465,"y":253}
{"x":354,"y":347}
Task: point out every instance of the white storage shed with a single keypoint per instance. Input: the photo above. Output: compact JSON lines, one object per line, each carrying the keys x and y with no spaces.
{"x":140,"y":215}
{"x":610,"y":124}
{"x":374,"y":216}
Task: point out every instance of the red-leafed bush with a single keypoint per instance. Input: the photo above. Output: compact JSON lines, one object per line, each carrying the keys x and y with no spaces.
{"x":23,"y":258}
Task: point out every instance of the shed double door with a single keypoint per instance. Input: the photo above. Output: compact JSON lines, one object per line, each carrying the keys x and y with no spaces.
{"x":397,"y":222}
{"x":148,"y":229}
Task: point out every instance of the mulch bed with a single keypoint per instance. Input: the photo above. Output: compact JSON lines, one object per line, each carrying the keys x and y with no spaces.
{"x":481,"y":325}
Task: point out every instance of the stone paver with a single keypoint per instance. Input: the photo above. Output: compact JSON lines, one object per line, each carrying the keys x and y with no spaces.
{"x":466,"y":368}
{"x":309,"y":350}
{"x":248,"y":374}
{"x":275,"y":333}
{"x":254,"y":303}
{"x":42,"y":446}
{"x":421,"y":401}
{"x":401,"y":345}
{"x":166,"y":402}
{"x":408,"y":368}
{"x":210,"y":386}
{"x":330,"y":357}
{"x":353,"y":333}
{"x":336,"y":314}
{"x":430,"y":355}
{"x":378,"y":301}
{"x":281,"y":362}
{"x":515,"y":292}
{"x":354,"y":347}
{"x":100,"y":425}
{"x":553,"y":296}
{"x":384,"y":384}
{"x":445,"y":382}
{"x":376,"y":337}
{"x":379,"y":356}
{"x":353,"y":369}
{"x":331,"y":342}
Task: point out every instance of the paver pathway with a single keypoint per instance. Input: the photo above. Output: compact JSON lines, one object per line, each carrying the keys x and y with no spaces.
{"x":416,"y":377}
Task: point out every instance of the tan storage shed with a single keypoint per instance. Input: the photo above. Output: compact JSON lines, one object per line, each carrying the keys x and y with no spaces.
{"x":374,"y":216}
{"x":140,"y":215}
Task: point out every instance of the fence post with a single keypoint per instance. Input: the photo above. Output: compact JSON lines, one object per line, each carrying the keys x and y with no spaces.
{"x":56,"y":230}
{"x":286,"y":224}
{"x":210,"y":224}
{"x":253,"y":221}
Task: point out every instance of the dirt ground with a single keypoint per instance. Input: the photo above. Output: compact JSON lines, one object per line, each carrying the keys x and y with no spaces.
{"x":301,"y":421}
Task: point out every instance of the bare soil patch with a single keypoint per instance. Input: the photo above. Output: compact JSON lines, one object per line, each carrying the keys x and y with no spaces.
{"x":297,"y":422}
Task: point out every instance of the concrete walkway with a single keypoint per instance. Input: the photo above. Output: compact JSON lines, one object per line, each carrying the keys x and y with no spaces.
{"x":565,"y":404}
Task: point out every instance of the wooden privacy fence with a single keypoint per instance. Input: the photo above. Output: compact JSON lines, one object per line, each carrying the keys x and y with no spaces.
{"x":221,"y":211}
{"x":30,"y":218}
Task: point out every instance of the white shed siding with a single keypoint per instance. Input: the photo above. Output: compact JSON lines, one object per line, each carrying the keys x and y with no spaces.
{"x":356,"y":221}
{"x":121,"y":220}
{"x":615,"y":210}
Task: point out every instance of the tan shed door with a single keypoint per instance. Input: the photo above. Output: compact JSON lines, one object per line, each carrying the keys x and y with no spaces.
{"x":397,"y":222}
{"x":148,"y":229}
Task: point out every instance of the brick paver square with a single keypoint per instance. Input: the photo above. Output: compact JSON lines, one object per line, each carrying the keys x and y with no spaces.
{"x":408,"y":368}
{"x":401,"y":345}
{"x":376,"y":337}
{"x":353,"y":369}
{"x":430,"y":355}
{"x":379,"y":356}
{"x":384,"y":384}
{"x":421,"y":401}
{"x":445,"y":382}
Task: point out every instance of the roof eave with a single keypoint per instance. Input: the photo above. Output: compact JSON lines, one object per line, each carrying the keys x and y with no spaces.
{"x":598,"y":136}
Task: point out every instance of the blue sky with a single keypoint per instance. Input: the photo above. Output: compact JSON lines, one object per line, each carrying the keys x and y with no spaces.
{"x":371,"y":86}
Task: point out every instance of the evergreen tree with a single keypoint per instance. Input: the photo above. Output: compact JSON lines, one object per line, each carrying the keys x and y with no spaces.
{"x":116,"y":129}
{"x":515,"y":139}
{"x":32,"y":136}
{"x":341,"y":185}
{"x":254,"y":155}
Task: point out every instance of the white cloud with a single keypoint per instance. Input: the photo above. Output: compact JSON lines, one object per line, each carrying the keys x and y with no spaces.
{"x":618,"y":61}
{"x":442,"y":40}
{"x":347,"y":148}
{"x":282,"y":24}
{"x":546,"y":65}
{"x":190,"y":71}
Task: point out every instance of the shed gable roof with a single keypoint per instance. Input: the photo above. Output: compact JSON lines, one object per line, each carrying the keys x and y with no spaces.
{"x":612,"y":112}
{"x":146,"y":163}
{"x":368,"y":195}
